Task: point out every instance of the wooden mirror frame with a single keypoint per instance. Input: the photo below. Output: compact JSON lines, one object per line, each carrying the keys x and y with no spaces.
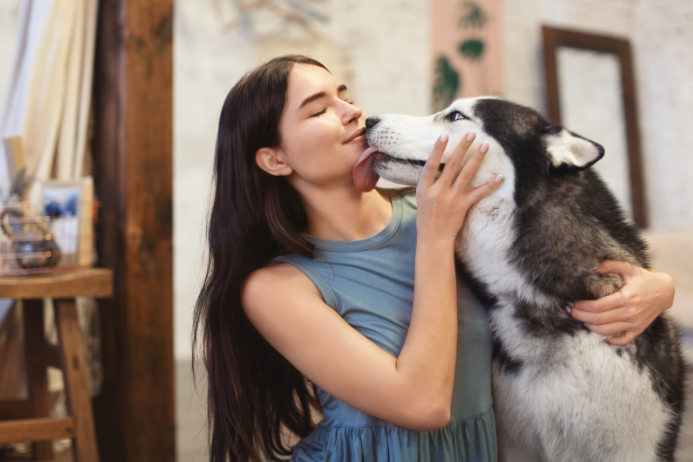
{"x":555,"y":38}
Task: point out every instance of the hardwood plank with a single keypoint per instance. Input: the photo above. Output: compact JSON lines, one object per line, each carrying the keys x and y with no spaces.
{"x":75,"y":376}
{"x":133,"y":170}
{"x":14,"y":431}
{"x":86,"y":282}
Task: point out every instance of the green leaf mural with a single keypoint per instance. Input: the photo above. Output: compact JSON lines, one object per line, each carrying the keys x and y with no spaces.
{"x":473,"y":16}
{"x":446,"y":85}
{"x":472,"y":49}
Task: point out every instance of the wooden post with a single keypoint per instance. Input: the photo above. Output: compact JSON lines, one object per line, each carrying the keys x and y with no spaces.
{"x":132,"y":147}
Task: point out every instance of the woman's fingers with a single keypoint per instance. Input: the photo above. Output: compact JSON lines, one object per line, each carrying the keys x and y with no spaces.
{"x":476,"y":194}
{"x":431,"y":167}
{"x":621,"y":268}
{"x":611,"y":329}
{"x":472,"y":165}
{"x":622,"y":340}
{"x":606,"y":303}
{"x":455,"y":160}
{"x":622,"y":314}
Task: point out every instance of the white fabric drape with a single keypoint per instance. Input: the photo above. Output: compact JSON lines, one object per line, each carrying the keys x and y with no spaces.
{"x":46,"y":104}
{"x":48,"y":95}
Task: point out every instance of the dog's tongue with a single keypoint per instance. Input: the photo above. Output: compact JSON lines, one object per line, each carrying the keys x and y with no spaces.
{"x":365,"y":178}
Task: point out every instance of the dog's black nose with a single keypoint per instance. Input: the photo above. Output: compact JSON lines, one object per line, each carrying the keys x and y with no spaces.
{"x":371,"y":121}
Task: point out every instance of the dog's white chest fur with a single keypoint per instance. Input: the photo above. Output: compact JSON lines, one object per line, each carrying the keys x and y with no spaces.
{"x":588,"y":404}
{"x":570,"y":389}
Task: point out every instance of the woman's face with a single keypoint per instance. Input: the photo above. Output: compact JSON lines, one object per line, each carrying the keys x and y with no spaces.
{"x":321,"y":132}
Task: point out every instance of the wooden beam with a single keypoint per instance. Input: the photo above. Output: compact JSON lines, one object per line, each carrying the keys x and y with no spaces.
{"x":15,"y":431}
{"x":132,"y":146}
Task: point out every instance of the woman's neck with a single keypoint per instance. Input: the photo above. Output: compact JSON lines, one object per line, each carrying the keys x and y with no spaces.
{"x":344,"y":214}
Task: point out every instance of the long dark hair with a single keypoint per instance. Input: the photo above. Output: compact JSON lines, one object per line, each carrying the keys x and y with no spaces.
{"x":254,"y":394}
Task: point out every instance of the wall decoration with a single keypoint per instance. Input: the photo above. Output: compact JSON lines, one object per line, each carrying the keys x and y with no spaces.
{"x":465,"y":50}
{"x":69,"y":204}
{"x":292,"y":19}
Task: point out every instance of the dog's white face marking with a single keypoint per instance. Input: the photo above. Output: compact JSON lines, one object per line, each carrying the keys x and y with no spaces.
{"x":402,"y":139}
{"x":489,"y":238}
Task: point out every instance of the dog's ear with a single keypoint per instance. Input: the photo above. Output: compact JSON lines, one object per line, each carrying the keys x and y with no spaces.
{"x":569,"y":151}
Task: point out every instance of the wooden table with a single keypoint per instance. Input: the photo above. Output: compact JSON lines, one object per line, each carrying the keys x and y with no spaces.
{"x":29,"y":419}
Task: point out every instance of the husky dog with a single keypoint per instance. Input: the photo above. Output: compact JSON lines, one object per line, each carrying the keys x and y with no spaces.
{"x":561,"y":393}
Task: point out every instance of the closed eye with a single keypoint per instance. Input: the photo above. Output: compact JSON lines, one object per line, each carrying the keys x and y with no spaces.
{"x":318,"y":114}
{"x":456,"y":115}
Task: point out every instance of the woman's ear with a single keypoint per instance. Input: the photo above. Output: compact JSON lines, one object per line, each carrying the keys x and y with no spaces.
{"x":272,"y":161}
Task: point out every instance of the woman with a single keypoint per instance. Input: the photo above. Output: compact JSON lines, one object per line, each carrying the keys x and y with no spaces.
{"x":355,"y":291}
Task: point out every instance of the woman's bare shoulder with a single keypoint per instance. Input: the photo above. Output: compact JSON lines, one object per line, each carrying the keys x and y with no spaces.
{"x":276,"y":279}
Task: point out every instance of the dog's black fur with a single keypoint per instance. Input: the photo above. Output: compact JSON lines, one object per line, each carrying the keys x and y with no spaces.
{"x":563,"y":215}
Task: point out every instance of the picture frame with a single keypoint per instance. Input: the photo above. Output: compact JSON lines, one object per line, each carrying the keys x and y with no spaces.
{"x":555,"y":40}
{"x":68,"y":206}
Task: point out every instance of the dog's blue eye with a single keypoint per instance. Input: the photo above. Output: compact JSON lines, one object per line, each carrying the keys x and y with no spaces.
{"x":456,"y":115}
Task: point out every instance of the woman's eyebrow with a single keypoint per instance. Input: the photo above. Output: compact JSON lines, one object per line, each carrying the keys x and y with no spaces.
{"x":322,"y":94}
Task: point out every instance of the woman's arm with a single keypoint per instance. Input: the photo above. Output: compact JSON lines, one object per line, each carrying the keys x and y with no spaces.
{"x":645,"y":294}
{"x":413,"y":390}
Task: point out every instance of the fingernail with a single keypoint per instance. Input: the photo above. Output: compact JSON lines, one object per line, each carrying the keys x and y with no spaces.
{"x":471,"y":135}
{"x":567,"y":308}
{"x":484,"y":147}
{"x":444,"y":136}
{"x":595,"y":267}
{"x":571,"y":304}
{"x":498,"y":178}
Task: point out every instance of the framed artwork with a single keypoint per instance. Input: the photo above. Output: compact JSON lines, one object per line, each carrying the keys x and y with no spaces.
{"x":466,"y":49}
{"x":68,"y":206}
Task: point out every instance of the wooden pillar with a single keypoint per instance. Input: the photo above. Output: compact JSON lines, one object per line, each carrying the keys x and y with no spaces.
{"x":132,"y":146}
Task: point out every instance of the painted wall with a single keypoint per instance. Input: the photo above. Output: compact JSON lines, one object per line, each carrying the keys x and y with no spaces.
{"x":661,"y":32}
{"x":382,"y":61}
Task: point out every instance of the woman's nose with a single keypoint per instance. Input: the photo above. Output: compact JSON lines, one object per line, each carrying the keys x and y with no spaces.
{"x":355,"y":113}
{"x":371,"y":121}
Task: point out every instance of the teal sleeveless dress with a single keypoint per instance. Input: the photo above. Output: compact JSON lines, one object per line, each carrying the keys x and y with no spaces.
{"x":370,"y":283}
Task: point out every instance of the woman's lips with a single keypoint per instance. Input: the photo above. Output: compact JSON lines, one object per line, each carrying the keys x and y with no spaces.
{"x":358,"y":135}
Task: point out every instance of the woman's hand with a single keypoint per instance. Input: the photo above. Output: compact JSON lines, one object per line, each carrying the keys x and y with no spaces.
{"x":644,"y":296}
{"x":443,"y":203}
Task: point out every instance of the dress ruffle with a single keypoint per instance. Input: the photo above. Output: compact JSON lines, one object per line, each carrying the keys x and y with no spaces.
{"x":471,"y":439}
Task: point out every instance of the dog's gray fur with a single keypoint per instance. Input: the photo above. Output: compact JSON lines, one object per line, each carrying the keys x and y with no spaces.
{"x":561,"y":393}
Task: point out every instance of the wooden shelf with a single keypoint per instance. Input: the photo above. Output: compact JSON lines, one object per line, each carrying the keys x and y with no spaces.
{"x":87,"y":282}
